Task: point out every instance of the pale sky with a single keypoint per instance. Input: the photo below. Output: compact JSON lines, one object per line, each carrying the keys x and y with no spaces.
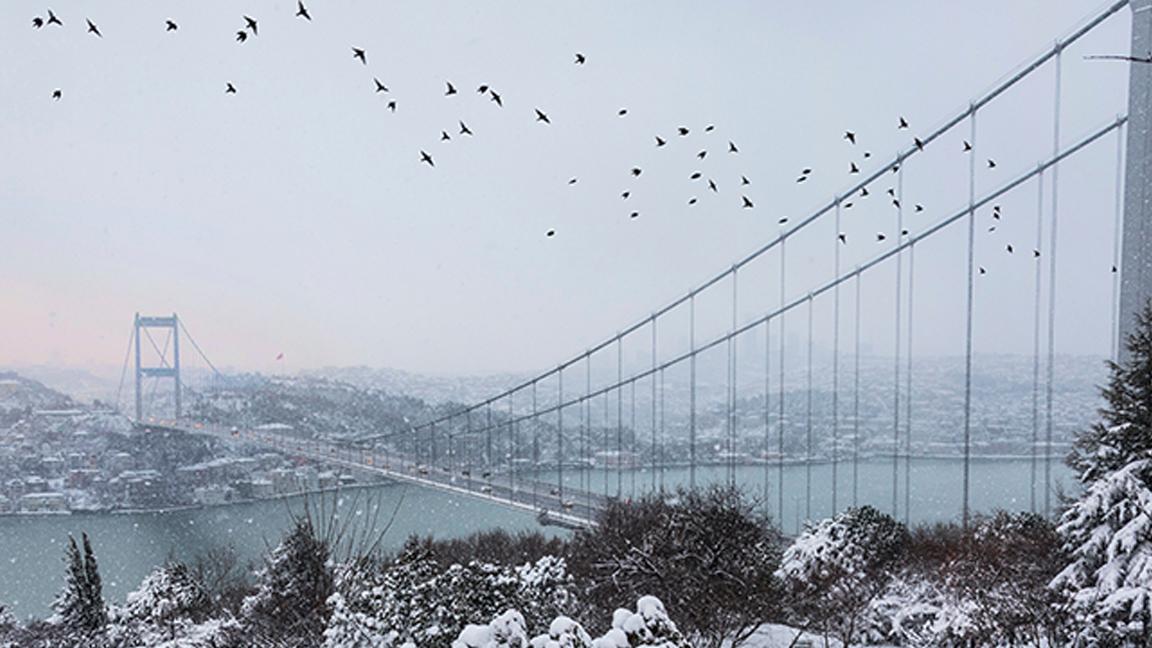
{"x":295,"y":216}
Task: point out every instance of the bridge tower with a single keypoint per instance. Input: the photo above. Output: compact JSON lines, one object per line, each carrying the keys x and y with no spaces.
{"x":172,"y":323}
{"x":1136,"y":253}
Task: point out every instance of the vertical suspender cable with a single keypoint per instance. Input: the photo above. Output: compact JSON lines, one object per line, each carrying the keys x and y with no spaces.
{"x":1036,"y":337}
{"x":513,"y":445}
{"x":899,"y":238}
{"x":968,"y":315}
{"x":663,"y":438}
{"x":1116,"y":229}
{"x":488,"y":448}
{"x":692,"y":391}
{"x":632,"y":464}
{"x":808,"y":424}
{"x":652,"y":447}
{"x":535,"y":449}
{"x":767,"y":406}
{"x":1052,"y":292}
{"x":856,"y":399}
{"x":780,"y":403}
{"x":732,"y":418}
{"x":586,"y":475}
{"x":836,"y":364}
{"x":908,"y":394}
{"x":560,"y":436}
{"x":619,"y":415}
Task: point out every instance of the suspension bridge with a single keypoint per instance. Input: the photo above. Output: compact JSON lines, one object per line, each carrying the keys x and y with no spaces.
{"x":757,"y":375}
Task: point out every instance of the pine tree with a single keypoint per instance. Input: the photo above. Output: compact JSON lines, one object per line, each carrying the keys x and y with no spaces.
{"x":80,"y":605}
{"x":1108,"y":531}
{"x":290,"y":602}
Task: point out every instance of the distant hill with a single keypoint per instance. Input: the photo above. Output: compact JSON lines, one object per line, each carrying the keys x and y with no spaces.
{"x":431,"y":388}
{"x":18,"y":392}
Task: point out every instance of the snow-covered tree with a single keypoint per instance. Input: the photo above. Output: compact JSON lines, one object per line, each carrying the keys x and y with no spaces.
{"x":563,"y":632}
{"x":507,"y":630}
{"x":647,"y":627}
{"x":838,"y":566}
{"x":1108,"y":530}
{"x":80,"y":605}
{"x":167,"y":605}
{"x":292,"y":590}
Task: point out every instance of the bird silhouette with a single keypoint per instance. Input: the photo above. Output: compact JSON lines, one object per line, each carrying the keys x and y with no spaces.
{"x":579,"y":58}
{"x":992,"y":229}
{"x":541,"y":117}
{"x":695,"y":176}
{"x":850,"y":136}
{"x":991,"y":163}
{"x":241,"y":36}
{"x":692,"y":200}
{"x":93,"y":29}
{"x":732,"y":148}
{"x":170,"y":25}
{"x":56,"y":94}
{"x":392,"y":106}
{"x":251,"y":22}
{"x":380,"y":87}
{"x":747,"y":203}
{"x":1035,"y":254}
{"x":896,"y":203}
{"x":37,"y":22}
{"x":983,"y":271}
{"x":967,"y":146}
{"x":867,"y":154}
{"x":1009,"y":248}
{"x":464,"y":130}
{"x":635,"y":214}
{"x":636,"y":171}
{"x":880,"y":236}
{"x":660,"y":142}
{"x":682,"y":130}
{"x":702,"y":154}
{"x":848,"y":205}
{"x":919,"y":144}
{"x":903,"y":123}
{"x":482,"y":89}
{"x":802,"y":178}
{"x":854,"y":168}
{"x":625,"y":195}
{"x":805,"y":171}
{"x":919,"y":208}
{"x":230,"y":89}
{"x":451,"y":89}
{"x":712,"y":185}
{"x":360,"y":54}
{"x":550,"y":233}
{"x":781,"y":221}
{"x":444,"y":136}
{"x":302,"y":11}
{"x":572,"y":181}
{"x":863,"y":192}
{"x":496,"y":98}
{"x":622,"y":112}
{"x":1113,"y":269}
{"x":709,"y":128}
{"x":891,"y":192}
{"x":53,"y":20}
{"x":744,"y":180}
{"x":424,"y":157}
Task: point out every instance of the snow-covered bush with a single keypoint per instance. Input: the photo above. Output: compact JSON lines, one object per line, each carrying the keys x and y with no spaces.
{"x":292,"y":590}
{"x":646,"y":627}
{"x":414,"y":599}
{"x":835,"y":569}
{"x":563,"y":632}
{"x":168,"y":606}
{"x":705,"y":553}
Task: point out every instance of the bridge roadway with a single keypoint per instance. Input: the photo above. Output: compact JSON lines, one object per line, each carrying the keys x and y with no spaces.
{"x":571,"y":508}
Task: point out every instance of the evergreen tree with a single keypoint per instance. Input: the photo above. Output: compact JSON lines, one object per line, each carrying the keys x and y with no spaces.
{"x":80,"y":605}
{"x":292,"y":590}
{"x":1108,"y":530}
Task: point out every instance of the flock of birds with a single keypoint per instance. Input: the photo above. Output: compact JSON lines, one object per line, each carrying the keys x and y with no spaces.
{"x":250,"y":29}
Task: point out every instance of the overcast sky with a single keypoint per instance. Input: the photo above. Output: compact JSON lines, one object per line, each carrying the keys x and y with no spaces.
{"x":295,"y":216}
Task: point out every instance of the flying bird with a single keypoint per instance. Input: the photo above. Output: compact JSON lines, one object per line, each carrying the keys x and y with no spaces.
{"x":424,"y":157}
{"x":867,"y":154}
{"x":683,"y":130}
{"x":579,"y":58}
{"x":781,"y":221}
{"x":636,"y":171}
{"x":1113,"y":269}
{"x":550,"y":233}
{"x":805,"y":171}
{"x":280,"y":356}
{"x":53,"y":20}
{"x":93,"y":29}
{"x":991,"y":163}
{"x":392,"y":106}
{"x":302,"y":11}
{"x":903,"y":123}
{"x":854,"y":168}
{"x":919,"y":144}
{"x":56,"y":94}
{"x":709,"y":128}
{"x":451,"y":89}
{"x":231,"y":89}
{"x":1009,"y":248}
{"x":732,"y":148}
{"x":702,"y":154}
{"x":380,"y":87}
{"x":170,"y":25}
{"x":802,"y":178}
{"x":891,"y":192}
{"x":541,"y":117}
{"x":482,"y":89}
{"x":37,"y":22}
{"x":695,"y":176}
{"x":747,"y":203}
{"x":241,"y":36}
{"x":622,"y":112}
{"x":880,"y":236}
{"x":444,"y":136}
{"x":967,"y":146}
{"x":251,"y":22}
{"x":1035,"y":254}
{"x":625,"y":195}
{"x":919,"y":207}
{"x":359,"y":53}
{"x":660,"y":142}
{"x":744,"y":180}
{"x":712,"y":185}
{"x":635,"y":214}
{"x":863,"y":192}
{"x":850,"y":136}
{"x":848,"y":205}
{"x":496,"y":98}
{"x":896,"y":203}
{"x":464,"y":130}
{"x":572,"y":181}
{"x":983,"y":271}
